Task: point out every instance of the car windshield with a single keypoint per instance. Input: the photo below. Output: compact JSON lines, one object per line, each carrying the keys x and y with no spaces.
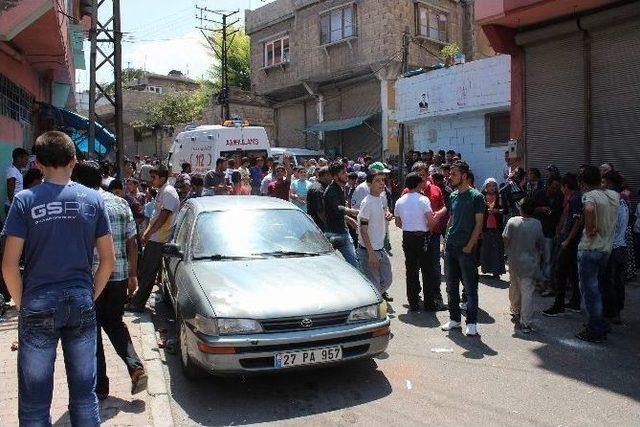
{"x":251,"y":233}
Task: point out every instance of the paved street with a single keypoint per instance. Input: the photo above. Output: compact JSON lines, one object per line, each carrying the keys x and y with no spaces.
{"x":119,"y":409}
{"x":431,"y":377}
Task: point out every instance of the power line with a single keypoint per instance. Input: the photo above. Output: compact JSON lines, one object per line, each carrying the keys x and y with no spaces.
{"x":228,"y":32}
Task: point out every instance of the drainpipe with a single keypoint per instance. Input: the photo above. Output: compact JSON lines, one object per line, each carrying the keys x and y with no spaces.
{"x":313,"y":90}
{"x":586,"y":64}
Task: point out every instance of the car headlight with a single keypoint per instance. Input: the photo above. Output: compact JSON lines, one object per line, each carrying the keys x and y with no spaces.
{"x":206,"y":325}
{"x":362,"y":314}
{"x":238,"y":326}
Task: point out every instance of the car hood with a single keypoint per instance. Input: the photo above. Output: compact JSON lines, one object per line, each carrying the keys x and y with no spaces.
{"x":283,"y":287}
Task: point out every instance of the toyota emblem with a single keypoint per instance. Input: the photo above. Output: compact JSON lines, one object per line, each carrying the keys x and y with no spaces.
{"x":306,"y":322}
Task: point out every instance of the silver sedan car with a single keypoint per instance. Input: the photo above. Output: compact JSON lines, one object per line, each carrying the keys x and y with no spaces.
{"x":256,"y":286}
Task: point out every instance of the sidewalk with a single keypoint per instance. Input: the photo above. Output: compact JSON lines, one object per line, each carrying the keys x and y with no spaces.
{"x":120,"y":408}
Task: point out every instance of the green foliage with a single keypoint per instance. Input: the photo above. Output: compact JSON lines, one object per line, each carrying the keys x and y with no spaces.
{"x":237,"y":58}
{"x":176,"y":108}
{"x":450,"y":50}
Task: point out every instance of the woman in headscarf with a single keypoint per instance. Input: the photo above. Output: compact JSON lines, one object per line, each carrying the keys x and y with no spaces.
{"x":492,"y":248}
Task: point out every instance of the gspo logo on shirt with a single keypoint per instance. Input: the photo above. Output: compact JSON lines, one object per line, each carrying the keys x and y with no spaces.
{"x":60,"y":210}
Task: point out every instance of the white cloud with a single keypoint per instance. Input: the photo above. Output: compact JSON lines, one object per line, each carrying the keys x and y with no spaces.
{"x":186,"y":53}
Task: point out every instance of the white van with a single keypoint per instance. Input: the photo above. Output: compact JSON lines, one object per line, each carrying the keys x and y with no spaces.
{"x":202,"y":146}
{"x":299,"y":155}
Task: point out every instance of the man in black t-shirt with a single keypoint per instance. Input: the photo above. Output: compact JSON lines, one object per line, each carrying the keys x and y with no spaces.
{"x":336,"y":213}
{"x":315,"y":194}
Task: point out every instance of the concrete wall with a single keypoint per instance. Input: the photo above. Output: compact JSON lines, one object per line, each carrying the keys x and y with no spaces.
{"x":478,"y":85}
{"x":465,"y":134}
{"x":458,"y":100}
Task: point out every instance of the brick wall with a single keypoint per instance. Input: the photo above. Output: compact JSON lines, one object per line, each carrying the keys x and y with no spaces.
{"x":380,"y":24}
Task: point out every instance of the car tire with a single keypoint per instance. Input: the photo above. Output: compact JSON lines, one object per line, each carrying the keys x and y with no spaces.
{"x":190,"y":370}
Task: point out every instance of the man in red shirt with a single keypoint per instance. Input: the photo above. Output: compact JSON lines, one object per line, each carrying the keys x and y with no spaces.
{"x":432,"y":278}
{"x":282,"y":184}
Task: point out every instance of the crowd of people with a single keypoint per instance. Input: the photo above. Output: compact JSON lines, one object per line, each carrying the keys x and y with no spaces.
{"x":569,"y":236}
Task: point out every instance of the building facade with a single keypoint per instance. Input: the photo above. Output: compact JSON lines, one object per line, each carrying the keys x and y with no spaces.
{"x":40,"y":49}
{"x":464,"y":108}
{"x":135,"y":97}
{"x":329,"y":66}
{"x":575,"y":79}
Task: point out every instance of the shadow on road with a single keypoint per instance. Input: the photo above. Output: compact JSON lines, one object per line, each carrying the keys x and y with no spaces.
{"x":494,"y":283}
{"x":473,"y":346}
{"x":265,"y":398}
{"x":422,"y":319}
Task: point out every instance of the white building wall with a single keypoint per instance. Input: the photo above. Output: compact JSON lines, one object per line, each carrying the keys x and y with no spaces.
{"x":465,"y":134}
{"x":458,"y":99}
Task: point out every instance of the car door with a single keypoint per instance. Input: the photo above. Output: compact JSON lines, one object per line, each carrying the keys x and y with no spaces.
{"x":181,"y":238}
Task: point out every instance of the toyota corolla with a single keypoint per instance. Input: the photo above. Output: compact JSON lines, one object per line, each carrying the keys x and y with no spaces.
{"x":256,"y":286}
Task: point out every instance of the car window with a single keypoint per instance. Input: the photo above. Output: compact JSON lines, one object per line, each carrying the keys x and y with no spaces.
{"x":184,"y":224}
{"x":250,"y":232}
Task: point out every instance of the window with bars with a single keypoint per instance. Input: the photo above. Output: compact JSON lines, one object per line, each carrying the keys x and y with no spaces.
{"x":276,"y":52}
{"x":498,"y":127}
{"x":338,"y":24}
{"x":431,"y":23}
{"x":15,"y":102}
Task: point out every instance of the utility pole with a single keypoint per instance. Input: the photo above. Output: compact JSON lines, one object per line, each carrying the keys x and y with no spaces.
{"x":406,"y":38}
{"x":220,"y":49}
{"x":106,"y":32}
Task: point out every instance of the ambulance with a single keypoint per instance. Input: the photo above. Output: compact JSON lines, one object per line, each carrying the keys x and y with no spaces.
{"x":201,"y":146}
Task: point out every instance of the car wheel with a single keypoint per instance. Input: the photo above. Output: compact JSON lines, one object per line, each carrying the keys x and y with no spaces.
{"x":189,"y":368}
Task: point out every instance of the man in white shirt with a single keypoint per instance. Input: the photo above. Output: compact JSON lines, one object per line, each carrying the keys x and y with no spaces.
{"x":372,"y":257}
{"x":159,"y":232}
{"x":415,"y":217}
{"x":20,"y":158}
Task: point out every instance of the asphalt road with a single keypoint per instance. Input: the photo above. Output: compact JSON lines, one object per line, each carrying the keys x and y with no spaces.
{"x":431,"y":377}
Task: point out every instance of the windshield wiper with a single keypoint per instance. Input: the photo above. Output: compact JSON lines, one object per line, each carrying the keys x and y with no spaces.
{"x":287,"y":253}
{"x":219,"y":257}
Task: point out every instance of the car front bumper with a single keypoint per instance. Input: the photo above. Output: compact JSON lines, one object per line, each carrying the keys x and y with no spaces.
{"x":255,"y":353}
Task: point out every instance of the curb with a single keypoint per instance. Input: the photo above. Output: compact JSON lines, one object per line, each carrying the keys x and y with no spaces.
{"x":153,"y":358}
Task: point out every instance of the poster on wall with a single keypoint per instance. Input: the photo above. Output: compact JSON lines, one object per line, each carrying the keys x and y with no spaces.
{"x":423,"y":105}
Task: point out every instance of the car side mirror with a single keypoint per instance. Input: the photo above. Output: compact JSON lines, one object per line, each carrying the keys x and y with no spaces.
{"x":337,"y":242}
{"x":172,"y":250}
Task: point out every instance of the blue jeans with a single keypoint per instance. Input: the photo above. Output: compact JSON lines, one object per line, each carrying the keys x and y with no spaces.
{"x":460,"y":266}
{"x":348,"y":251}
{"x":67,"y":315}
{"x":592,"y":267}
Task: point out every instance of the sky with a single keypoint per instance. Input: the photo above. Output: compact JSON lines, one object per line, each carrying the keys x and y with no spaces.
{"x":160,"y":36}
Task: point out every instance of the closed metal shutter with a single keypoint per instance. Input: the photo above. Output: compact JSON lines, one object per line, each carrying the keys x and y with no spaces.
{"x":616,"y":99}
{"x":554,"y":103}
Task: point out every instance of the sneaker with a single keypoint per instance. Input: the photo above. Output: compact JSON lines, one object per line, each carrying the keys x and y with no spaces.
{"x":554,"y":311}
{"x":413,"y":308}
{"x":472,"y":330}
{"x":585,"y":335}
{"x":138,"y":381}
{"x":386,"y":297}
{"x":463,"y":306}
{"x":450,"y":325}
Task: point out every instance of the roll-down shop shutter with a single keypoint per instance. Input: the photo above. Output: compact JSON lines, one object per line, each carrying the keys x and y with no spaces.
{"x":554,"y":102}
{"x":616,"y":98}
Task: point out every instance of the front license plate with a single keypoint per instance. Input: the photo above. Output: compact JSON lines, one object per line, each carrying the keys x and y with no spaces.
{"x":307,"y":357}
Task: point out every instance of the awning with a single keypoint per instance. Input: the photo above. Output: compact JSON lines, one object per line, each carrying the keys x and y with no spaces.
{"x":334,"y":125}
{"x":77,"y":127}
